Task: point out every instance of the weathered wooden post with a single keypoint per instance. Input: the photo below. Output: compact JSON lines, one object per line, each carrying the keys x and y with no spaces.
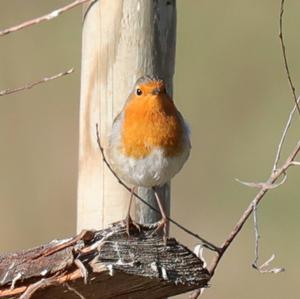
{"x":121,"y":41}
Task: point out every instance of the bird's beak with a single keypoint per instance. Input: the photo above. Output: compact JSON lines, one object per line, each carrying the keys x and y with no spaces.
{"x":156,"y":91}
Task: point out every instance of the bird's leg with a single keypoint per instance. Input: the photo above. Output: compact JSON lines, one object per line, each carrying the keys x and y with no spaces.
{"x":128,"y":220}
{"x":163,"y":223}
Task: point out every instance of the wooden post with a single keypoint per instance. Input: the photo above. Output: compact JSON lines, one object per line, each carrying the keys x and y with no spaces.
{"x":121,"y":41}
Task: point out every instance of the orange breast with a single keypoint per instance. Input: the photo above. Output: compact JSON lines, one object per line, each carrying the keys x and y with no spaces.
{"x":151,"y":122}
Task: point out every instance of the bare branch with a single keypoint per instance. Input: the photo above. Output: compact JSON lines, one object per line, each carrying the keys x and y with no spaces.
{"x":285,"y":56}
{"x":6,"y":92}
{"x":43,"y":18}
{"x":259,"y":196}
{"x":270,"y":183}
{"x":257,"y":237}
{"x":283,"y":137}
{"x":264,"y":267}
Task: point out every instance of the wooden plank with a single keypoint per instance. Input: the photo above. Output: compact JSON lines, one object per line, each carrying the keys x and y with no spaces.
{"x":113,"y":265}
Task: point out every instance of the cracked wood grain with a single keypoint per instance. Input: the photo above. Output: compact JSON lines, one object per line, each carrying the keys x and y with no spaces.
{"x":117,"y":266}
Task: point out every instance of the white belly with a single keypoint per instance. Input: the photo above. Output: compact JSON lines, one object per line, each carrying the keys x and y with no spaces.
{"x":153,"y":170}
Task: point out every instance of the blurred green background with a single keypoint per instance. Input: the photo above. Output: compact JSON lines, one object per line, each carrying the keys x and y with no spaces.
{"x":231,"y":86}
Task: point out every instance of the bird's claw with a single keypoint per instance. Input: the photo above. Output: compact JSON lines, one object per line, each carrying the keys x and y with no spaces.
{"x":161,"y":225}
{"x":131,"y":225}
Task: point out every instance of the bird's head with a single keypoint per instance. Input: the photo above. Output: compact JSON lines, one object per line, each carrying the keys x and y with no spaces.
{"x":148,"y":88}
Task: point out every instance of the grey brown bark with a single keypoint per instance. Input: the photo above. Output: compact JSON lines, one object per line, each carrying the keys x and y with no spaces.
{"x":113,"y":266}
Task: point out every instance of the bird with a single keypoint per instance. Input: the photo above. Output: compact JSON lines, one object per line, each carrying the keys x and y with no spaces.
{"x":149,"y":141}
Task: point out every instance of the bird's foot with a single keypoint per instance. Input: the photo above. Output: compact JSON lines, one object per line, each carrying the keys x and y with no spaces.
{"x":162,"y":225}
{"x":131,"y":226}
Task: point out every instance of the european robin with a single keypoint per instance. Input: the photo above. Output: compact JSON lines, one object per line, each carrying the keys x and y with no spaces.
{"x":149,"y":141}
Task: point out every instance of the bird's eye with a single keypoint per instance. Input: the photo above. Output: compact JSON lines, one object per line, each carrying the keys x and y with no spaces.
{"x":139,"y":92}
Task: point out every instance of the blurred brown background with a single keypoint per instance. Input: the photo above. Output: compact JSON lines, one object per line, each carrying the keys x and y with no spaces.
{"x":231,"y":86}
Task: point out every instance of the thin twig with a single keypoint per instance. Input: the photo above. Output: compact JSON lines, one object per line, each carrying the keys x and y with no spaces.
{"x":47,"y":17}
{"x":6,"y":92}
{"x":284,"y":134}
{"x":263,"y":184}
{"x":205,"y":243}
{"x":285,"y":55}
{"x":257,"y":237}
{"x":266,"y":186}
{"x":264,"y":189}
{"x":277,"y":172}
{"x":264,"y":267}
{"x":278,"y":153}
